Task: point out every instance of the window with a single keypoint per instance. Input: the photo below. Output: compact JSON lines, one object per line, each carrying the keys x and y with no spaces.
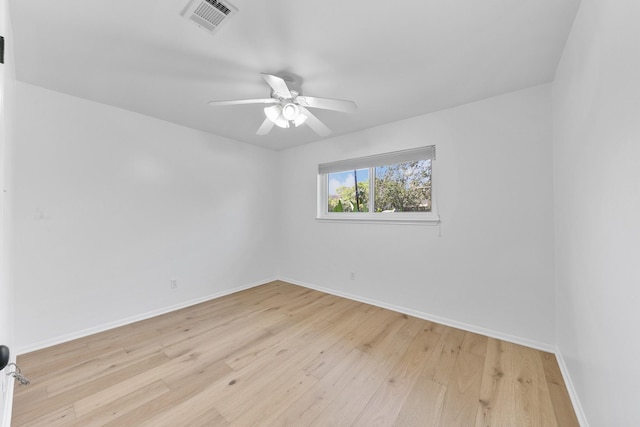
{"x":395,"y":186}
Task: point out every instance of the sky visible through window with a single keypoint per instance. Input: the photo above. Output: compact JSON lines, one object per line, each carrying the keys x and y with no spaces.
{"x":346,"y":179}
{"x":398,"y":187}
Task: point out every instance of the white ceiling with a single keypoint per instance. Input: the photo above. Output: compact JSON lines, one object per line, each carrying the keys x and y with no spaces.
{"x":394,"y":59}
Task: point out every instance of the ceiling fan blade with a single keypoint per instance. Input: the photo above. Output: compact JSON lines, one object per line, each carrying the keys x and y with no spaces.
{"x":327,"y":103}
{"x":244,"y":101}
{"x":315,"y":123}
{"x":278,"y":85}
{"x":265,"y":127}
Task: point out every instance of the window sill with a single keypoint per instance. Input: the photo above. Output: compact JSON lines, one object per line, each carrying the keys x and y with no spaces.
{"x":381,"y":219}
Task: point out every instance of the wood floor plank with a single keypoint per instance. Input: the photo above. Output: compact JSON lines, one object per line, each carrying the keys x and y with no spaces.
{"x":385,"y":352}
{"x":497,"y":392}
{"x":533,"y":400}
{"x":281,"y":394}
{"x":463,"y":392}
{"x":352,"y":335}
{"x":27,"y":406}
{"x":98,"y":399}
{"x":558,"y":392}
{"x":386,"y":403}
{"x":441,"y":362}
{"x":195,"y":410}
{"x":184,"y":386}
{"x":305,"y":408}
{"x":282,"y":355}
{"x":264,"y":375}
{"x":293,"y":332}
{"x":327,"y":310}
{"x":204,"y":353}
{"x":188,"y":338}
{"x":474,"y":343}
{"x":58,"y":418}
{"x":61,"y":359}
{"x":44,"y":360}
{"x":423,"y":405}
{"x":118,"y":407}
{"x":99,"y":367}
{"x":222,"y":341}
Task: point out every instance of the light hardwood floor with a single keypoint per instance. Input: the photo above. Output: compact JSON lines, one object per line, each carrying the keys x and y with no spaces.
{"x":280,"y":355}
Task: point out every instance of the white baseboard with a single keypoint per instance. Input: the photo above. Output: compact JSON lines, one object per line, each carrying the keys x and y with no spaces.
{"x":577,"y":407}
{"x":433,"y":318}
{"x":126,"y":321}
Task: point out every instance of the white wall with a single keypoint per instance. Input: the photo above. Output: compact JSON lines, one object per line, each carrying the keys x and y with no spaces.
{"x":493,"y":266}
{"x":596,"y":102}
{"x":111,"y":205}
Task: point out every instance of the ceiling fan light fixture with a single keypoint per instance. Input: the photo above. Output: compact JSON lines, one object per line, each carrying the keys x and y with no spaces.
{"x":300,"y":119}
{"x":274,"y":113}
{"x":290,"y":111}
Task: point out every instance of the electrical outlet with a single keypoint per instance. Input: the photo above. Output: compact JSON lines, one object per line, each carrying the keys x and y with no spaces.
{"x":174,"y":283}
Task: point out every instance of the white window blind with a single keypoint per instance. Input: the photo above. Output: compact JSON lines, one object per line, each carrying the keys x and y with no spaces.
{"x":422,"y":153}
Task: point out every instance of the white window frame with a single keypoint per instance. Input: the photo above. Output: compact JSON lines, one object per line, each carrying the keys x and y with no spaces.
{"x":371,"y":162}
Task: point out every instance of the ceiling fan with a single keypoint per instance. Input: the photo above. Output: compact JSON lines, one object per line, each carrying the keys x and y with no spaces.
{"x":290,"y":107}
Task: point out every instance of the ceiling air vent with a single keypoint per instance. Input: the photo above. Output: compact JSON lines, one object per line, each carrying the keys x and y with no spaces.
{"x":209,"y":14}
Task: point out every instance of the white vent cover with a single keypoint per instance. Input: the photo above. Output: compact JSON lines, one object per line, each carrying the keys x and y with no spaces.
{"x":209,"y":14}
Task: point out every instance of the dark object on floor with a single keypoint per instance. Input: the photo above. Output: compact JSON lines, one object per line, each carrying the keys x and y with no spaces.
{"x":4,"y":356}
